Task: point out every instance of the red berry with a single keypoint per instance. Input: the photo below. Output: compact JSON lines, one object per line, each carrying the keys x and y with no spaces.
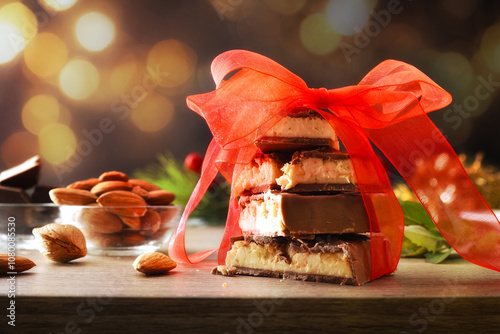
{"x":194,"y":161}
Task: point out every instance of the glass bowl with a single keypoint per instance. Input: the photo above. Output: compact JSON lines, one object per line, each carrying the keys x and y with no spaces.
{"x":110,"y":230}
{"x":123,"y":230}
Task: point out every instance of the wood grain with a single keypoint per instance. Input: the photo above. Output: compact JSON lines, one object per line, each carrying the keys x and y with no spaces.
{"x":105,"y":294}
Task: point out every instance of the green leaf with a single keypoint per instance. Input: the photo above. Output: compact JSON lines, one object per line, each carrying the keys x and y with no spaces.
{"x":422,"y":237}
{"x":415,"y":214}
{"x":438,"y":257}
{"x":409,"y":249}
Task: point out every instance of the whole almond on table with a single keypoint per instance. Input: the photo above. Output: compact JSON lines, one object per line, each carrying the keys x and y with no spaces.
{"x":125,"y":203}
{"x":153,"y":263}
{"x":60,"y":243}
{"x":71,"y":196}
{"x":20,"y":264}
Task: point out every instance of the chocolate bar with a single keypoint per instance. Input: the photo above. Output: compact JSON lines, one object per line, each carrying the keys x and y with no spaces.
{"x":286,"y":214}
{"x":24,"y":175}
{"x":301,"y":130}
{"x":344,"y":259}
{"x":321,"y":170}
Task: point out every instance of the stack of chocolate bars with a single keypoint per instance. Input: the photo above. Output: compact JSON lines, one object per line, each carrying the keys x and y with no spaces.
{"x":301,"y":212}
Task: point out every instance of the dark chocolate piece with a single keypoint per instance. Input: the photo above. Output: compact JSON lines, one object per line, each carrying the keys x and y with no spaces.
{"x":41,"y":194}
{"x":13,"y":195}
{"x":286,"y":144}
{"x":24,"y":175}
{"x":317,"y":214}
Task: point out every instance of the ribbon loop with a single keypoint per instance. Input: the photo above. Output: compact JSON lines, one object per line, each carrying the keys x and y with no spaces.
{"x":320,"y":97}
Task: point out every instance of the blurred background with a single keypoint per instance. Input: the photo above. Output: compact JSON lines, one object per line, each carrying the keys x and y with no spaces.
{"x":101,"y":85}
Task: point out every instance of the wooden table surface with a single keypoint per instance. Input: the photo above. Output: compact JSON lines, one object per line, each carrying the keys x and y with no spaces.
{"x":99,"y":294}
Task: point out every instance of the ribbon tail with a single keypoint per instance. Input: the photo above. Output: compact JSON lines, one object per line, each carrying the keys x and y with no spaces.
{"x":383,"y":209}
{"x":426,"y":160}
{"x":177,"y":246}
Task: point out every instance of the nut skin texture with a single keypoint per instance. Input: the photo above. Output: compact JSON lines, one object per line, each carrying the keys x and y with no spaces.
{"x":153,"y":263}
{"x":60,"y":243}
{"x":71,"y":196}
{"x":150,"y":223}
{"x":160,"y":197}
{"x":129,"y":203}
{"x":144,"y":184}
{"x":99,"y":220}
{"x":84,"y":184}
{"x":106,"y":186}
{"x":21,"y":264}
{"x":113,"y":176}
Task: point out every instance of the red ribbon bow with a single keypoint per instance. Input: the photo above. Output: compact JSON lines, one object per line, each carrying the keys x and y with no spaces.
{"x":389,"y":108}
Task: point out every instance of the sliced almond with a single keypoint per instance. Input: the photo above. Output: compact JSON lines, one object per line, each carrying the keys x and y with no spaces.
{"x":106,"y":186}
{"x":71,"y":196}
{"x":144,"y":184}
{"x":113,"y":176}
{"x":150,"y":223}
{"x":123,"y":203}
{"x":160,"y":197}
{"x":154,"y":263}
{"x":84,"y":184}
{"x":98,"y":220}
{"x":15,"y":264}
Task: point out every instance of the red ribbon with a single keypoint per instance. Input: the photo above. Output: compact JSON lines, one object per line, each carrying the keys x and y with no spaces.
{"x":388,"y":107}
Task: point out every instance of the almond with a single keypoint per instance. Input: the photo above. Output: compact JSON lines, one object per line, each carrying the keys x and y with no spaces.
{"x":98,"y":220}
{"x":161,"y":197}
{"x":144,"y":184}
{"x":123,"y":203}
{"x":153,"y":263}
{"x":150,"y":223}
{"x":113,"y":176}
{"x":104,"y":240}
{"x":19,"y":264}
{"x":84,"y":184}
{"x":71,"y":196}
{"x":141,"y":192}
{"x":60,"y":243}
{"x":131,"y":239}
{"x":133,"y":222}
{"x":106,"y":186}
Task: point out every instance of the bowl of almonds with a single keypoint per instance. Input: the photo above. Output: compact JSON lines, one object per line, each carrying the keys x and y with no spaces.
{"x":118,"y":216}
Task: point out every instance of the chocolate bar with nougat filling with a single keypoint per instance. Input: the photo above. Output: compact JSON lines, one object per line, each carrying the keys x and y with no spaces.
{"x":341,"y":259}
{"x":275,"y":214}
{"x":300,"y":130}
{"x":320,"y":170}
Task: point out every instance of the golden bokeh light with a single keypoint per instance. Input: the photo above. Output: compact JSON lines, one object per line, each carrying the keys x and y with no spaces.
{"x":317,"y":35}
{"x":95,"y":31}
{"x":40,"y":111}
{"x":22,"y":23}
{"x":57,"y":5}
{"x":7,"y":50}
{"x":57,"y":143}
{"x":125,"y":74}
{"x":171,"y":63}
{"x":18,"y":147}
{"x":153,"y":113}
{"x":79,"y":79}
{"x":46,"y":54}
{"x":490,"y":47}
{"x":348,"y":17}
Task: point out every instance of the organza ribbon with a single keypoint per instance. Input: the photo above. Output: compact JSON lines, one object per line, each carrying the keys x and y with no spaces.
{"x":388,"y":107}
